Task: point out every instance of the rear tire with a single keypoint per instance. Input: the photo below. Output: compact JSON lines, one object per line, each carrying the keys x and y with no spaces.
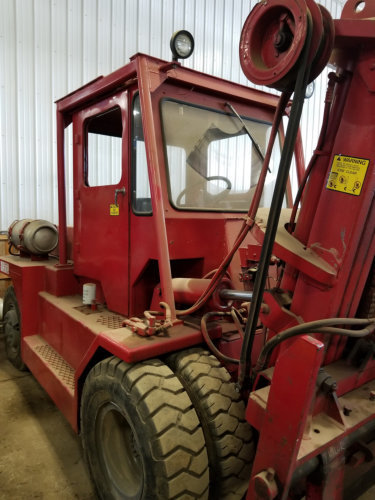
{"x":141,"y":435}
{"x":221,"y":411}
{"x":12,"y":329}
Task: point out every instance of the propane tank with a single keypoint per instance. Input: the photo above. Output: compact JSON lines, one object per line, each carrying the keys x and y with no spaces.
{"x":36,"y":237}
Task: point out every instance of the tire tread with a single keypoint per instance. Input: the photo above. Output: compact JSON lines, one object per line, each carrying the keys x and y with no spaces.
{"x":228,"y":436}
{"x":169,"y":422}
{"x":10,"y":302}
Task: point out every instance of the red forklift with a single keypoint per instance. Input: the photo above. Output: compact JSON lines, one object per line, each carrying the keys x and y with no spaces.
{"x":206,"y":335}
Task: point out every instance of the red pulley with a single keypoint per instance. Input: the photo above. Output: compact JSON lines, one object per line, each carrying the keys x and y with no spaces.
{"x":273,"y":37}
{"x":272,"y":40}
{"x":326,"y":45}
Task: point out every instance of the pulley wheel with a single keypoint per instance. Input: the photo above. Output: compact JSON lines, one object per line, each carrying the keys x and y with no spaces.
{"x":326,"y":46}
{"x":317,"y":27}
{"x":273,"y":37}
{"x":272,"y":40}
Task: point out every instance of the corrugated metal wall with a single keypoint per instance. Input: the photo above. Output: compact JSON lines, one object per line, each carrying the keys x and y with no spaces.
{"x":50,"y":47}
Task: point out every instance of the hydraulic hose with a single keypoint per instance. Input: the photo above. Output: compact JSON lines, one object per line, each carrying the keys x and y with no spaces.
{"x":208,"y":340}
{"x":318,"y":150}
{"x":306,"y":215}
{"x":320,"y":326}
{"x":276,"y":205}
{"x":237,"y":322}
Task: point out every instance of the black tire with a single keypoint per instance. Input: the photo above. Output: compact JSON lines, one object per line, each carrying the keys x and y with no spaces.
{"x":12,"y":329}
{"x":141,"y":435}
{"x":229,"y":438}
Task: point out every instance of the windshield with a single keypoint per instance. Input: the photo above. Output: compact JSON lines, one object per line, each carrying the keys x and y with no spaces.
{"x":212,"y":163}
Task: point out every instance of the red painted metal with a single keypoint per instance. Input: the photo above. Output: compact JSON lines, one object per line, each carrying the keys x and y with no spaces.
{"x":99,"y":237}
{"x":188,"y":290}
{"x":97,"y":89}
{"x":61,"y":124}
{"x":154,"y":160}
{"x":61,"y":394}
{"x":28,"y":279}
{"x":99,"y":243}
{"x":322,"y":265}
{"x":347,"y":235}
{"x":322,"y":430}
{"x":351,"y":10}
{"x":308,"y":260}
{"x":262,"y":59}
{"x":60,"y":280}
{"x":292,"y":387}
{"x":274,"y":36}
{"x":313,"y":189}
{"x":339,"y":229}
{"x":299,"y":160}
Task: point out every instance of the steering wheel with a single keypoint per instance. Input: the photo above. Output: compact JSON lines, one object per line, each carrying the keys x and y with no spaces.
{"x":210,"y":178}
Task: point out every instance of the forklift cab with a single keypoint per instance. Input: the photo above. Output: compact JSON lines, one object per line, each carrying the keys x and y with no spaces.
{"x":165,"y":162}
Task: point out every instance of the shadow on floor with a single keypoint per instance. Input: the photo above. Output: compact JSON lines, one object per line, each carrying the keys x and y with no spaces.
{"x":40,"y":455}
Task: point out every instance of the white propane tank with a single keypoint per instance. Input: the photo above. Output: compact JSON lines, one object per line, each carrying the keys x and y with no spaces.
{"x":88,"y":293}
{"x":37,"y":237}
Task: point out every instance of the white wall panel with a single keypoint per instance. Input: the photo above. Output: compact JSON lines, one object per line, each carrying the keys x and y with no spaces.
{"x":9,"y":174}
{"x":50,"y":47}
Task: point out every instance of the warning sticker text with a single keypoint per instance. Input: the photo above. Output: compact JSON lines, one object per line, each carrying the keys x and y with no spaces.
{"x":114,"y":210}
{"x":347,"y":174}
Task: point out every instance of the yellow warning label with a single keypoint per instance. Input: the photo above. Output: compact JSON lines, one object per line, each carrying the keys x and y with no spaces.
{"x":347,"y":174}
{"x":114,"y":210}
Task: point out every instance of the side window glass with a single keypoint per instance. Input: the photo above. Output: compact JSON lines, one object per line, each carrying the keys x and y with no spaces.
{"x":141,"y":196}
{"x":104,"y":148}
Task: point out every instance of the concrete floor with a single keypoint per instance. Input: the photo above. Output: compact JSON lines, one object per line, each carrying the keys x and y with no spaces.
{"x":40,"y":456}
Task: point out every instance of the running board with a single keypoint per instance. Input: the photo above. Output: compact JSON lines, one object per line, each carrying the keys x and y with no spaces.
{"x":53,"y":373}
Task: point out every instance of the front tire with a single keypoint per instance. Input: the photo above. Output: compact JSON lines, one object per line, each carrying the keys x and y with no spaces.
{"x":140,"y":433}
{"x":229,"y":438}
{"x":12,"y":329}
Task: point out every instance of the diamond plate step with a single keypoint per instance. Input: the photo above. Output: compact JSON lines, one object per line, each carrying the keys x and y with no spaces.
{"x":53,"y":361}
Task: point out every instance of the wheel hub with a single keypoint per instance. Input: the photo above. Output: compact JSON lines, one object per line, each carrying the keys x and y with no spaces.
{"x":119,"y":453}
